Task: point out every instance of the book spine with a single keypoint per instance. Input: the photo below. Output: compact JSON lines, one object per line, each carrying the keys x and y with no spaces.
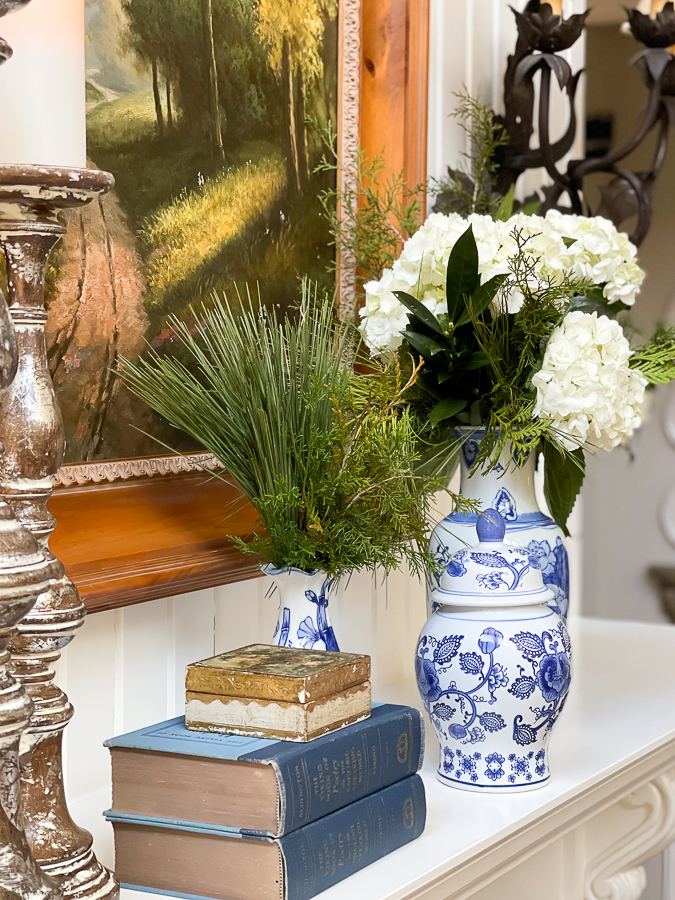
{"x":316,"y":780}
{"x":321,"y":854}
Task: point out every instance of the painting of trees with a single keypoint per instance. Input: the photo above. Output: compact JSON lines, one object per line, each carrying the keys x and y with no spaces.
{"x":208,"y":53}
{"x":293,"y":31}
{"x":145,"y":40}
{"x":211,"y":114}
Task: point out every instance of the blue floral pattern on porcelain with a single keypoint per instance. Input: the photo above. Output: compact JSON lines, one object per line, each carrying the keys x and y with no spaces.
{"x":493,"y":663}
{"x":509,"y":490}
{"x":502,"y":691}
{"x":303,"y":609}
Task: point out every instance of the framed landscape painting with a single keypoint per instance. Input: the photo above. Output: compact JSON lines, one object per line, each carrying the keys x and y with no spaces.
{"x":213,"y":116}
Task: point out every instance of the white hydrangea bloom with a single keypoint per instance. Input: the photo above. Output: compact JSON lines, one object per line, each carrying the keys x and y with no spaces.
{"x":586,"y":386}
{"x":599,"y":253}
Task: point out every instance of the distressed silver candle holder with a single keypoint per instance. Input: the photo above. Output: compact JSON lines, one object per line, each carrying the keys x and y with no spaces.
{"x":23,"y":576}
{"x":31,"y":431}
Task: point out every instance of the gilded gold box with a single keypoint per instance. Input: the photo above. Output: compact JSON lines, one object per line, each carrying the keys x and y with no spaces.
{"x":281,"y":693}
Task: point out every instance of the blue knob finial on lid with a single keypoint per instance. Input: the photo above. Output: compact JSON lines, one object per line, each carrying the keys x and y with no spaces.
{"x":490,"y":527}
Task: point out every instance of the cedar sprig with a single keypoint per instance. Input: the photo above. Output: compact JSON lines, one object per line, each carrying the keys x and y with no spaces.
{"x":370,"y":214}
{"x":656,"y":358}
{"x":470,"y":189}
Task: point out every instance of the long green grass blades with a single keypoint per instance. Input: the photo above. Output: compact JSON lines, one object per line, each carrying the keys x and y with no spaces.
{"x":325,"y":455}
{"x":253,"y":390}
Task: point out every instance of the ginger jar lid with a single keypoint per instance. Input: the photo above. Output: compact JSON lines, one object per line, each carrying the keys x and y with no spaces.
{"x":493,"y":573}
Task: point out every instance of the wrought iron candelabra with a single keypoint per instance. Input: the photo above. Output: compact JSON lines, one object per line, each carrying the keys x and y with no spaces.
{"x":542,"y":36}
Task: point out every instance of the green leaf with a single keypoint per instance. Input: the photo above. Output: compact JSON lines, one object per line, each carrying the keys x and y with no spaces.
{"x":590,"y":304}
{"x":431,"y":387}
{"x":424,"y":345}
{"x":445,"y":409}
{"x":444,"y":376}
{"x":505,"y":210}
{"x":462,"y":277}
{"x":563,"y":476}
{"x":419,"y":310}
{"x":531,"y":209}
{"x":482,"y":297}
{"x":477,"y":360}
{"x":568,"y":241}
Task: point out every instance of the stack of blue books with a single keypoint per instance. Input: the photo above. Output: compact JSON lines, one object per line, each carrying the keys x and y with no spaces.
{"x":201,"y":815}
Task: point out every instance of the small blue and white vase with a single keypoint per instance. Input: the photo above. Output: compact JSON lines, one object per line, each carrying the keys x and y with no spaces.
{"x":510,"y":490}
{"x":303,"y":608}
{"x":493,"y":666}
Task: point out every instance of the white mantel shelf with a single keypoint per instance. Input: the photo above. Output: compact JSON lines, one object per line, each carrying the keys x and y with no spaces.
{"x":609,"y":806}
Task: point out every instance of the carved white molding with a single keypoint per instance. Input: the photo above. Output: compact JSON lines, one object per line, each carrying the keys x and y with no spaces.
{"x":618,"y":873}
{"x":146,"y":467}
{"x":349,"y":118}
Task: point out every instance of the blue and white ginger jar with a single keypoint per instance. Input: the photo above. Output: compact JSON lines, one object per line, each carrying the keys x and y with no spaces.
{"x":303,"y":609}
{"x":509,"y":489}
{"x":493,"y":666}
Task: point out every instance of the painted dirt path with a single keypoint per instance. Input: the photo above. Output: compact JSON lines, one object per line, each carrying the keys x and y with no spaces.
{"x":96,"y":314}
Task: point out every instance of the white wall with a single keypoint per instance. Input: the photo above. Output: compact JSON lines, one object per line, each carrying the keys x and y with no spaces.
{"x":623,"y":493}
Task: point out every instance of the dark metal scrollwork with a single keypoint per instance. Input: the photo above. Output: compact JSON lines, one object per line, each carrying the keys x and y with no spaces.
{"x":541,"y":36}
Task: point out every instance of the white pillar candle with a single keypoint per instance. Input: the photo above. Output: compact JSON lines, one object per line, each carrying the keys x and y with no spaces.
{"x":42,"y":86}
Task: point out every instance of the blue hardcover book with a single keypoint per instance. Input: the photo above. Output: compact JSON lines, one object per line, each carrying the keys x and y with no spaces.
{"x":205,"y":861}
{"x":259,"y":786}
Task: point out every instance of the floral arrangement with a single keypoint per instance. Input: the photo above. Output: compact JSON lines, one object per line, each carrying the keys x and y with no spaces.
{"x":513,"y":323}
{"x":559,"y":246}
{"x":324,"y":454}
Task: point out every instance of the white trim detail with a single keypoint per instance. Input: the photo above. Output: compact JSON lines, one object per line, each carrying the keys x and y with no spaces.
{"x":143,"y":467}
{"x":618,"y":874}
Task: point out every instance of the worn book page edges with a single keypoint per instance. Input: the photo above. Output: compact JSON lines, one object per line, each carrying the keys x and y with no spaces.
{"x":277,"y":719}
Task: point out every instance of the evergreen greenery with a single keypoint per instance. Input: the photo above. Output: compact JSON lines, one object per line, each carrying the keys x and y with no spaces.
{"x":324,"y":454}
{"x":469,"y":189}
{"x":656,"y":358}
{"x":372,"y":215}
